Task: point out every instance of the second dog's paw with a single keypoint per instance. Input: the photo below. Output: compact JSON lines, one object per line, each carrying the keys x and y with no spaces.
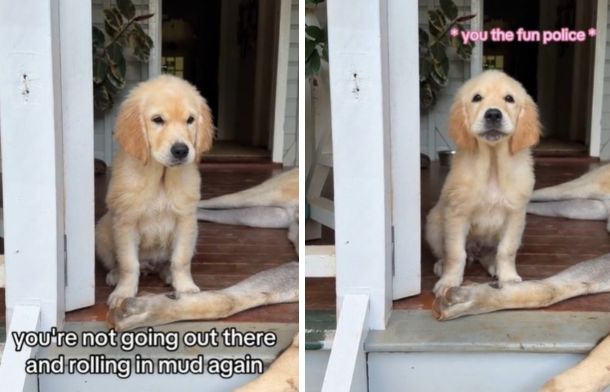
{"x":135,"y":312}
{"x":459,"y":301}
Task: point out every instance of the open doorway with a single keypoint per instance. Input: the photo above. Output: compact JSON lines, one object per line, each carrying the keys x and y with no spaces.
{"x":227,"y":49}
{"x":559,"y":75}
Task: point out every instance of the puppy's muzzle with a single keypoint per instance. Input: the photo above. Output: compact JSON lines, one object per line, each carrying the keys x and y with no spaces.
{"x":493,"y":125}
{"x":179,"y":152}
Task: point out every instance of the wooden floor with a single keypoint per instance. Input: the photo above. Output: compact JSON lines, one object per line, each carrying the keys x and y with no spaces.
{"x":549,"y":244}
{"x":224,"y":254}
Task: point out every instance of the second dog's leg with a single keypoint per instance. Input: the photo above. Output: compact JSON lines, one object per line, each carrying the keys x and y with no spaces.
{"x":276,"y":285}
{"x":282,"y":375}
{"x":269,"y":217}
{"x":590,"y":375}
{"x":572,"y":209}
{"x":588,"y":277}
{"x":588,"y":186}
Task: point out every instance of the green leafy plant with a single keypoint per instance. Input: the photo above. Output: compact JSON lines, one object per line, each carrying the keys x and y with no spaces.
{"x":122,"y":29}
{"x":433,"y":46}
{"x":316,"y":44}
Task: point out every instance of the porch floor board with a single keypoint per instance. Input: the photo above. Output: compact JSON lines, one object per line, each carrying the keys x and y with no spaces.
{"x":549,"y":244}
{"x":224,"y":254}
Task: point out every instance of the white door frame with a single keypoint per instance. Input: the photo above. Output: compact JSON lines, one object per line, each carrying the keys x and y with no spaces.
{"x":281,"y":82}
{"x":155,"y":23}
{"x":476,"y":24}
{"x":281,"y":72}
{"x":598,"y":79}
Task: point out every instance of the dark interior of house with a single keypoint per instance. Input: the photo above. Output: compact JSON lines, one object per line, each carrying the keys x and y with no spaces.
{"x":192,"y":31}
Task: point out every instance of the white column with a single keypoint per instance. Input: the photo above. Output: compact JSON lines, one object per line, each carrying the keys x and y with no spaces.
{"x":361,"y":152}
{"x":32,"y":157}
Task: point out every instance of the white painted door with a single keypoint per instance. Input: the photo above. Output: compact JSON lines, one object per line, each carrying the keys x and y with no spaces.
{"x":77,"y":124}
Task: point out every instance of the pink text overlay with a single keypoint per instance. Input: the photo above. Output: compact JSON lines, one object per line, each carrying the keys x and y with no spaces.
{"x":521,"y":35}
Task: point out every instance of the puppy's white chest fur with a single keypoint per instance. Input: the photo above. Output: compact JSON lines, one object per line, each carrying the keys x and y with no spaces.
{"x":157,"y":223}
{"x":490,"y":215}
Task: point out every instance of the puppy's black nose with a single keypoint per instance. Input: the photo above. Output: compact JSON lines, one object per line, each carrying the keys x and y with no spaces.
{"x":180,"y":150}
{"x":493,"y":115}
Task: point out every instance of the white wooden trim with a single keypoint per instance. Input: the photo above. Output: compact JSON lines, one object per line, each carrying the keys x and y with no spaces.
{"x":476,"y":24}
{"x":346,"y":370}
{"x":361,"y":152}
{"x":598,"y":79}
{"x":32,"y":157}
{"x":154,"y":31}
{"x":320,"y":261}
{"x":322,"y":210}
{"x":78,"y":132}
{"x":403,"y":43}
{"x":281,"y":82}
{"x":12,"y":367}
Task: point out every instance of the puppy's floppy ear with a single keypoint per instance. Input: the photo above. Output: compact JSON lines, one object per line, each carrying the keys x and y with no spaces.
{"x":528,"y":131}
{"x":458,"y":129}
{"x":205,"y":129}
{"x":130,"y":131}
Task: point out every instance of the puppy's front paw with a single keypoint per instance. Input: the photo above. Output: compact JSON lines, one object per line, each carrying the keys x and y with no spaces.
{"x":505,"y":279}
{"x":185,"y":287}
{"x":445,"y":283}
{"x":119,"y":294}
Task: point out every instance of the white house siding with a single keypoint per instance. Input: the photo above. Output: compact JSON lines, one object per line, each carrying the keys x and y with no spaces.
{"x":459,"y":71}
{"x":105,"y":147}
{"x":605,"y":136}
{"x":291,"y":121}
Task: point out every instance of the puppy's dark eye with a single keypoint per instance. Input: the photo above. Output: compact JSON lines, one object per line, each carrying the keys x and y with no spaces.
{"x":190,"y":120}
{"x":158,"y":120}
{"x":477,"y":98}
{"x":509,"y":98}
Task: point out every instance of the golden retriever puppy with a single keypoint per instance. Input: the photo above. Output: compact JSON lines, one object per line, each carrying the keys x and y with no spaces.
{"x":481,"y":211}
{"x":163,"y":128}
